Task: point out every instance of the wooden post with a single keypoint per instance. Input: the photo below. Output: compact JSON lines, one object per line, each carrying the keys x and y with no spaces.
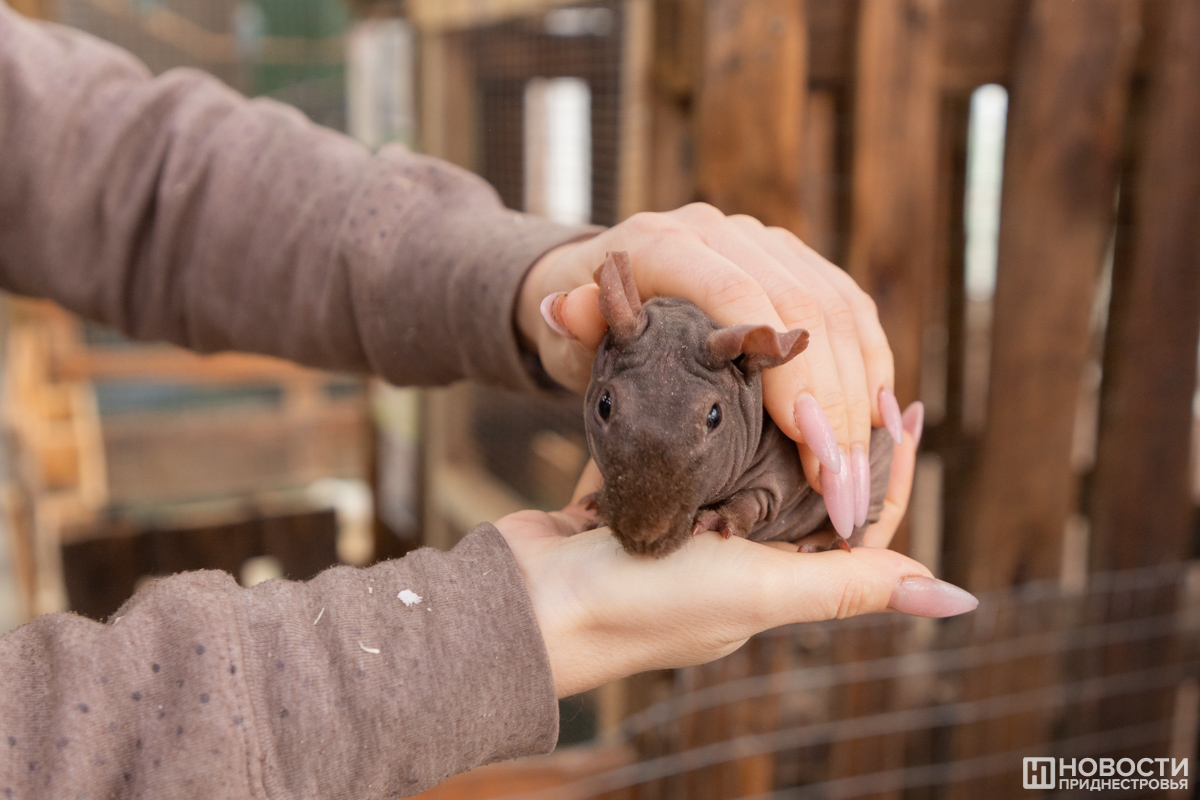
{"x":894,"y":206}
{"x":751,"y":109}
{"x":818,"y":180}
{"x":637,"y":56}
{"x":678,"y":26}
{"x":1141,"y":506}
{"x":1070,"y":87}
{"x":1069,"y":94}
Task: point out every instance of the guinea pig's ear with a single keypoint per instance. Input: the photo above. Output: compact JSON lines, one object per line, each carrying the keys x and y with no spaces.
{"x":760,"y":346}
{"x":619,"y":300}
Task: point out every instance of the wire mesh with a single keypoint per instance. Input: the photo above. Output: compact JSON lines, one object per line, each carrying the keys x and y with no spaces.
{"x":895,"y":706}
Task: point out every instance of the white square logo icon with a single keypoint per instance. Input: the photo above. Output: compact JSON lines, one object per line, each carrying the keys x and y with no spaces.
{"x":1038,"y":773}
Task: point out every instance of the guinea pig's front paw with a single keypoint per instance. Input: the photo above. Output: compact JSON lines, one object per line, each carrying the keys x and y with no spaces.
{"x":712,"y":519}
{"x":822,"y":540}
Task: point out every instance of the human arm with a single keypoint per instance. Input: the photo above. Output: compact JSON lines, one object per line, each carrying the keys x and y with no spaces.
{"x":173,"y":208}
{"x":330,"y":688}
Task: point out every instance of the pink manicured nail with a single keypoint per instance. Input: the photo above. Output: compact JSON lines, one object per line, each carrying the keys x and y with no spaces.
{"x":817,"y":432}
{"x":551,"y":307}
{"x":914,"y":419}
{"x":929,"y":597}
{"x":889,"y":409}
{"x":838,"y":489}
{"x":860,"y":467}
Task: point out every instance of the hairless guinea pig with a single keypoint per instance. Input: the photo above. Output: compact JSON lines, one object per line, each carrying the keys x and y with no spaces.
{"x":675,"y":422}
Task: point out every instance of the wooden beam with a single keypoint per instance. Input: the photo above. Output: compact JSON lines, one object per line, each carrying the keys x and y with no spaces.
{"x":1066,"y":113}
{"x":751,"y":109}
{"x":895,"y":158}
{"x":1065,"y":120}
{"x":678,"y":46}
{"x":637,"y":58}
{"x":1141,"y":507}
{"x":450,"y":15}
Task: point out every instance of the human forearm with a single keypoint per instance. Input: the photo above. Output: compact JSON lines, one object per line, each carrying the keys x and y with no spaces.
{"x":330,"y":688}
{"x":173,"y":208}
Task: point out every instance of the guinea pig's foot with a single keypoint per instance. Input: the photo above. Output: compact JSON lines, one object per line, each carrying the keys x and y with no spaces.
{"x":725,"y":519}
{"x":590,"y":502}
{"x":821,"y":541}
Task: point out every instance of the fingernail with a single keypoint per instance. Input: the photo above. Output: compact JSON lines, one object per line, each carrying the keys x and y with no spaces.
{"x":860,"y":467}
{"x":889,"y":409}
{"x":817,"y":432}
{"x":551,"y":308}
{"x":929,"y":597}
{"x":914,"y":419}
{"x":838,"y":491}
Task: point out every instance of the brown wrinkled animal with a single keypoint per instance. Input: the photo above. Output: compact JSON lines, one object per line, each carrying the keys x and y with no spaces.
{"x":675,"y":422}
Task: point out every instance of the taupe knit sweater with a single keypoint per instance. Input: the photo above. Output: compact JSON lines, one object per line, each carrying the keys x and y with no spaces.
{"x":172,"y":208}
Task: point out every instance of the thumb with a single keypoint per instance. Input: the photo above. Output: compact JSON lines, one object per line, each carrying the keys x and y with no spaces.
{"x":837,"y":584}
{"x":579,"y":313}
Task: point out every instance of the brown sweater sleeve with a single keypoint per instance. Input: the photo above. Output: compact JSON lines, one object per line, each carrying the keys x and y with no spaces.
{"x":330,"y":688}
{"x":173,"y":208}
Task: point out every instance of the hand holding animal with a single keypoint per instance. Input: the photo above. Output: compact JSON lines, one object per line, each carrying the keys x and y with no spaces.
{"x":675,"y":422}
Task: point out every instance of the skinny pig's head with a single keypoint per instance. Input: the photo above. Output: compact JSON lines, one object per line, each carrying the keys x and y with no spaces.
{"x":674,"y":409}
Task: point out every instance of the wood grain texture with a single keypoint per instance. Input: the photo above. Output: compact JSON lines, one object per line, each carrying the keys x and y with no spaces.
{"x":751,"y":108}
{"x":894,"y":206}
{"x":1141,"y":507}
{"x":1068,"y":101}
{"x":1067,"y":104}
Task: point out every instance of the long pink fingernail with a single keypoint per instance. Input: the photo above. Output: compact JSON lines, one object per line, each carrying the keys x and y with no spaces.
{"x":860,"y":467}
{"x":817,"y":432}
{"x":889,"y":409}
{"x":551,"y":308}
{"x":914,"y":419}
{"x":929,"y":597}
{"x":838,"y":490}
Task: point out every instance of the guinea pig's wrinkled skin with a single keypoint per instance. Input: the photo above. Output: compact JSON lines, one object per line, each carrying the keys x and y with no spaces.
{"x":675,"y":422}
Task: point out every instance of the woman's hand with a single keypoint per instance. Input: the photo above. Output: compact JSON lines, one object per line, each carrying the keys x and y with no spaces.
{"x":738,"y":271}
{"x":605,"y":614}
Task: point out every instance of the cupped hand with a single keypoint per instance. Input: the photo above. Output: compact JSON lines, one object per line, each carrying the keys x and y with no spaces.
{"x":739,"y":272}
{"x":605,"y":614}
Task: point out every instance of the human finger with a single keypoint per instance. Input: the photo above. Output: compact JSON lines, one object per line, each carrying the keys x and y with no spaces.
{"x":808,"y":587}
{"x":878,"y":360}
{"x":904,"y":459}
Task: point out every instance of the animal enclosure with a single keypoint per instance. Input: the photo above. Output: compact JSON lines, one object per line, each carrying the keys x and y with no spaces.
{"x":1045,"y":312}
{"x":1016,"y":183}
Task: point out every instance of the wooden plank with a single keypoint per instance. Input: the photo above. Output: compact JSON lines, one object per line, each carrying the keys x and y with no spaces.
{"x":637,"y":58}
{"x":156,"y":458}
{"x":447,"y":98}
{"x":457,"y":15}
{"x":1141,"y":507}
{"x":1065,"y":120}
{"x":678,"y":49}
{"x":751,"y":109}
{"x":1066,"y":113}
{"x":819,"y":180}
{"x":169,"y":363}
{"x":891,"y":253}
{"x":893,"y":223}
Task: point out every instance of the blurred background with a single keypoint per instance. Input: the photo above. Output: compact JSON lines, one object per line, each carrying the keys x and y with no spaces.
{"x":1016,"y":182}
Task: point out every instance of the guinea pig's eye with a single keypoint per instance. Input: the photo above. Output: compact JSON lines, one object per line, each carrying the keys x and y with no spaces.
{"x":605,"y":405}
{"x":714,"y":417}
